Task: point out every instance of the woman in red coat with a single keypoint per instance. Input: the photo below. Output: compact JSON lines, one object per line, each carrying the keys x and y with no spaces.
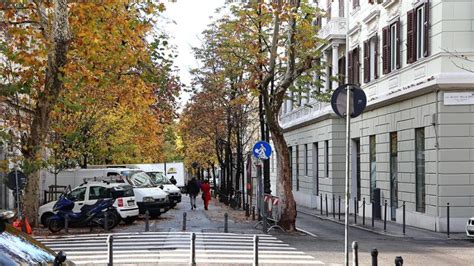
{"x":206,"y":193}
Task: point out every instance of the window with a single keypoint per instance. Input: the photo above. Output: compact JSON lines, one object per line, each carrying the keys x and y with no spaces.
{"x":306,"y":159}
{"x":370,"y":59}
{"x":391,"y":47}
{"x":316,"y":168}
{"x":78,"y":194}
{"x":355,"y":4}
{"x":290,"y":152}
{"x":393,"y":174}
{"x":326,"y":157}
{"x":98,"y":193}
{"x":297,"y":157}
{"x":342,"y":70}
{"x":418,"y":32}
{"x":420,"y":169}
{"x":328,"y":11}
{"x":357,"y":146}
{"x":353,"y":66}
{"x":341,"y":8}
{"x":373,"y":169}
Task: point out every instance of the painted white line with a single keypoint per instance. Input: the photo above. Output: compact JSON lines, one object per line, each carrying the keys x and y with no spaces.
{"x":233,"y":248}
{"x":214,"y":256}
{"x":199,"y":261}
{"x":306,"y":232}
{"x":160,"y":243}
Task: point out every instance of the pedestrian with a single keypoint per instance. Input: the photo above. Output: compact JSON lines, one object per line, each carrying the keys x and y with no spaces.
{"x":172,"y":180}
{"x":206,"y":193}
{"x":193,"y":191}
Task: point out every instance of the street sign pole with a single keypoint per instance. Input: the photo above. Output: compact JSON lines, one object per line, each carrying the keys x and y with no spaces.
{"x":262,"y":199}
{"x":348,"y":152}
{"x":262,"y":151}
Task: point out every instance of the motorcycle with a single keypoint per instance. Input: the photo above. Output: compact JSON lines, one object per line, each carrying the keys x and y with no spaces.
{"x":89,"y":215}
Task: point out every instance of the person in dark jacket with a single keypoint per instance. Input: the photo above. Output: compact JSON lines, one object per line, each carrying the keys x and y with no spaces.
{"x":193,"y":191}
{"x":172,"y":180}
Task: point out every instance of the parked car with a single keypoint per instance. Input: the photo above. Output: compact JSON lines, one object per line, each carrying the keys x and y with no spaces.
{"x":17,"y":248}
{"x":470,"y":227}
{"x":174,"y":193}
{"x":89,"y":192}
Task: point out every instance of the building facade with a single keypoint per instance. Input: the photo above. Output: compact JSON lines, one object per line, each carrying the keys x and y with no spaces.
{"x":415,"y":141}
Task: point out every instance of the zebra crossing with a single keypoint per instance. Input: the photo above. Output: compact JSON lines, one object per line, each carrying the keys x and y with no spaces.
{"x":174,"y":248}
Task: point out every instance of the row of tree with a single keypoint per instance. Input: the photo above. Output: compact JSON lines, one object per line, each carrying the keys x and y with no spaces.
{"x":253,"y":57}
{"x":84,"y":82}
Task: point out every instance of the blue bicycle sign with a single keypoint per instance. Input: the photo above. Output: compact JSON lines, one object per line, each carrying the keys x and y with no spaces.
{"x":262,"y":150}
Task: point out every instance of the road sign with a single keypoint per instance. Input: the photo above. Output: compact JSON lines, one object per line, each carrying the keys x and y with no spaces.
{"x":262,"y":150}
{"x":339,"y":100}
{"x":12,"y":183}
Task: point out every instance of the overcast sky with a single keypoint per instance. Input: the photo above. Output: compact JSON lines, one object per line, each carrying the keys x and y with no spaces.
{"x":191,"y":17}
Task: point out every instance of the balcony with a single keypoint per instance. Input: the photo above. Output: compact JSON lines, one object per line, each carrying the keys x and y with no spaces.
{"x":335,"y":29}
{"x":304,"y":114}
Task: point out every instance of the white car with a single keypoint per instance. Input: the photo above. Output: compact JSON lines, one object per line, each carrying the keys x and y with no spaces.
{"x":89,"y":192}
{"x":174,"y":193}
{"x":470,"y":227}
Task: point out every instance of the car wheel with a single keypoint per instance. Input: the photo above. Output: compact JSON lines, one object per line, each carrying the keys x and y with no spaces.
{"x":44,"y":218}
{"x":130,"y":220}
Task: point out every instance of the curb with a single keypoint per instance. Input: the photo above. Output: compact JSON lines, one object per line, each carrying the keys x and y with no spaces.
{"x":354,"y":226}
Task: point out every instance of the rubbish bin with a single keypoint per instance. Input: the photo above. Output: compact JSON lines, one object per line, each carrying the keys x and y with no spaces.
{"x":377,"y":203}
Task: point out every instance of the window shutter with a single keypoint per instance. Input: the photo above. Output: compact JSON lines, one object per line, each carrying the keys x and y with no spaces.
{"x":426,"y":35}
{"x":367,"y":61}
{"x":386,"y":50}
{"x":329,"y":10}
{"x":356,"y":67}
{"x":411,"y":34}
{"x":376,"y":56}
{"x":349,"y":68}
{"x":342,"y":69}
{"x":398,"y":43}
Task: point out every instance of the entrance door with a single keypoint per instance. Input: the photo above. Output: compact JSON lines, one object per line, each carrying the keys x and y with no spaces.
{"x":393,"y":175}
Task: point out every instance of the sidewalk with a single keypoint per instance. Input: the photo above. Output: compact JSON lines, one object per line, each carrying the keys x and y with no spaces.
{"x":393,"y":229}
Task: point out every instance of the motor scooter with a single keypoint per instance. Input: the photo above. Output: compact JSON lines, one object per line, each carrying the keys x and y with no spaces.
{"x":89,"y":215}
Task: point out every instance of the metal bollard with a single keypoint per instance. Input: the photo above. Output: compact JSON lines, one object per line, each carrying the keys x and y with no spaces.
{"x":110,"y":250}
{"x":326,"y":198}
{"x":184,"y":221}
{"x":106,"y":222}
{"x":374,"y":253}
{"x":385,"y":217}
{"x":147,"y":222}
{"x":255,"y":250}
{"x":226,"y":217}
{"x":398,"y":261}
{"x":363,"y":211}
{"x":339,"y":212}
{"x":373,"y":213}
{"x":66,"y":224}
{"x":321,"y":202}
{"x":247,"y":213}
{"x":253,"y":213}
{"x":333,"y":207}
{"x":403,"y":217}
{"x":355,"y":255}
{"x":193,"y":250}
{"x":447,"y":217}
{"x":355,"y":210}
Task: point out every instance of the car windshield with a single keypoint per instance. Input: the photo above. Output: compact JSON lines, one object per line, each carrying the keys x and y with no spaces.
{"x":159,"y":178}
{"x":139,"y":178}
{"x":16,"y":248}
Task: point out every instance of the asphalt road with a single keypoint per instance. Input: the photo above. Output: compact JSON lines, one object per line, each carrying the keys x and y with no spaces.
{"x":328,"y":245}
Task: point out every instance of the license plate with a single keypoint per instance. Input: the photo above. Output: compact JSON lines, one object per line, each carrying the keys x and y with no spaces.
{"x":131,"y":203}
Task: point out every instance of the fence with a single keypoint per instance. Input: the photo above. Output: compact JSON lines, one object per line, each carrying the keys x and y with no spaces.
{"x":53,"y":193}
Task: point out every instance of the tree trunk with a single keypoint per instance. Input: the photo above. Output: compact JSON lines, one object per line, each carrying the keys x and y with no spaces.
{"x":288,"y":215}
{"x":33,"y":152}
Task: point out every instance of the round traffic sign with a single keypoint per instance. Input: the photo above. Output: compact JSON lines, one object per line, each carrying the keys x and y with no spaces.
{"x":11,"y":178}
{"x":262,"y":150}
{"x":357,"y":99}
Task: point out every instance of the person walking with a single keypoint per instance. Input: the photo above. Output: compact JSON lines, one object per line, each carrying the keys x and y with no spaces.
{"x":193,"y":191}
{"x":206,"y":193}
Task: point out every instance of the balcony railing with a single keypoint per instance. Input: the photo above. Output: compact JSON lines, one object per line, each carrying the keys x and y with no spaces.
{"x":335,"y":28}
{"x":305,"y":113}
